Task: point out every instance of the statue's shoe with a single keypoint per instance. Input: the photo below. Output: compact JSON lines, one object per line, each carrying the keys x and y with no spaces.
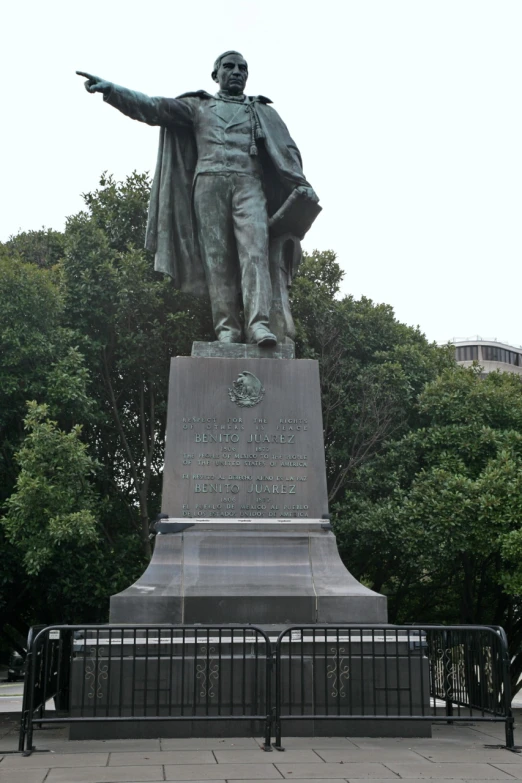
{"x":264,"y":338}
{"x":230,"y":339}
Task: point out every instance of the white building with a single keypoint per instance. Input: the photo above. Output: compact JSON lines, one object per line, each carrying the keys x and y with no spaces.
{"x":490,"y":354}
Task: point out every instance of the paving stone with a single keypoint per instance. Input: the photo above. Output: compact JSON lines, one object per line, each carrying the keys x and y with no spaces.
{"x":226,"y":771}
{"x":259,"y":756}
{"x":8,"y":742}
{"x":103,"y":746}
{"x":478,"y":754}
{"x":104,"y":774}
{"x":208,"y":743}
{"x":361,"y":755}
{"x":515,"y":770}
{"x":339,"y":771}
{"x":23,"y":775}
{"x":462,"y":771}
{"x":163,"y":757}
{"x":318,"y":742}
{"x":490,"y":734}
{"x":408,"y":743}
{"x":56,"y":760}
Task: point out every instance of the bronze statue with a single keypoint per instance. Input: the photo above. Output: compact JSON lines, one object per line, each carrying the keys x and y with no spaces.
{"x":229,"y":202}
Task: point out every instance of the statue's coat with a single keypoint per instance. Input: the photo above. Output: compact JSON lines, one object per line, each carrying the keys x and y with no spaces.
{"x":171,"y":232}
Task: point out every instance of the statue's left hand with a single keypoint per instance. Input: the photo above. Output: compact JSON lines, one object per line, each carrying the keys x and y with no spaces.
{"x":309,"y":192}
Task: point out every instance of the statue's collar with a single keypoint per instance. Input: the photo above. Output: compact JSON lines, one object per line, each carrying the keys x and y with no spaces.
{"x":223,"y":96}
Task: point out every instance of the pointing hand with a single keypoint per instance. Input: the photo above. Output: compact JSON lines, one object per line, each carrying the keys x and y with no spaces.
{"x":94,"y":83}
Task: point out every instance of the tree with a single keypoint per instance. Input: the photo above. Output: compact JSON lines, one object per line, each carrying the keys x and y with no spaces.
{"x":435,"y":519}
{"x":53,"y":522}
{"x":38,"y":361}
{"x":129,"y":321}
{"x":89,"y":334}
{"x":44,"y":247}
{"x":372,"y":367}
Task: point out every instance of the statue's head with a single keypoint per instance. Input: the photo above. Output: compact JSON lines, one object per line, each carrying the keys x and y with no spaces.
{"x":231,"y":72}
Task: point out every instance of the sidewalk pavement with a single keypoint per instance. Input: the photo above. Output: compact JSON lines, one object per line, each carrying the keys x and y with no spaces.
{"x":457,"y":752}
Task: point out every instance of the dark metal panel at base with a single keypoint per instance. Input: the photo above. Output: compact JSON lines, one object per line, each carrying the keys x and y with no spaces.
{"x":327,"y":728}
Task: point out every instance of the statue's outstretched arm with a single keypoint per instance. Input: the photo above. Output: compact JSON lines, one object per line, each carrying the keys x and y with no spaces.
{"x":153,"y":111}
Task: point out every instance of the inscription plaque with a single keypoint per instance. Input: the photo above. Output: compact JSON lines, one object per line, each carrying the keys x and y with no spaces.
{"x":244,"y":439}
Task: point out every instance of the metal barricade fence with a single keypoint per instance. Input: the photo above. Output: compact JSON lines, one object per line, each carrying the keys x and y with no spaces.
{"x":122,"y":673}
{"x":392,"y":673}
{"x":147,"y":673}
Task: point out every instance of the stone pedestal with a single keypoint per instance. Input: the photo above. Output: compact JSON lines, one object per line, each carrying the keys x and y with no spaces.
{"x":244,"y":487}
{"x":265,"y":573}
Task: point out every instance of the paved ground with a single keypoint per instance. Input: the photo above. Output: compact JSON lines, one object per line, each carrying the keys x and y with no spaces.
{"x":455,"y":753}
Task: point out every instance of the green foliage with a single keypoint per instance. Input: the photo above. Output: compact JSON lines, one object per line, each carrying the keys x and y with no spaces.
{"x":372,"y":367}
{"x":129,"y":321}
{"x":54,"y":502}
{"x":434,"y":520}
{"x":43,"y":248}
{"x":87,"y":330}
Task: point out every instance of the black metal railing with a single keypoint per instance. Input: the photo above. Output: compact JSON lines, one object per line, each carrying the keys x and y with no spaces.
{"x":398,"y":673}
{"x":122,"y":673}
{"x":147,"y":673}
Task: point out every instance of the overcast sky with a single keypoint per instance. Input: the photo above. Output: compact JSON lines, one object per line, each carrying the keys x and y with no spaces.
{"x":408,"y":115}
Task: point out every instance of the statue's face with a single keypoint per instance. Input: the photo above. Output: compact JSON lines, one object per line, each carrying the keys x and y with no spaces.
{"x":232,"y":74}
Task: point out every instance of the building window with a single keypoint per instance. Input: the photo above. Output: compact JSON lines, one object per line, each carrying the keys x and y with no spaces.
{"x":492,"y":353}
{"x":466,"y":353}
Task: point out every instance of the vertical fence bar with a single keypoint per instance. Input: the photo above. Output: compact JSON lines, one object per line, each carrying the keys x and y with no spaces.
{"x":121,"y":665}
{"x":158,"y":671}
{"x":109,"y":673}
{"x":195,"y":672}
{"x":374,"y":680}
{"x":481,"y":673}
{"x":409,"y":649}
{"x":207,"y":688}
{"x":422,"y":636}
{"x":277,"y":690}
{"x":232,"y":640}
{"x":325,"y":668}
{"x":182,"y":680}
{"x":170,"y":666}
{"x":290,"y":669}
{"x":385,"y":657}
{"x":397,"y":672}
{"x":59,"y":672}
{"x":350,"y":670}
{"x":45,"y":672}
{"x":270,"y":710}
{"x":30,"y":709}
{"x":314,"y":673}
{"x":146,"y":673}
{"x":302,"y":685}
{"x":338,"y":672}
{"x":363,"y":707}
{"x":220,"y":664}
{"x":243,"y":675}
{"x":257,"y":704}
{"x":506,"y":676}
{"x":133,"y":694}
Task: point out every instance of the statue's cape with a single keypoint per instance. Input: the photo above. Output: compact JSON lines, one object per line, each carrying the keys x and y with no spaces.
{"x":171,"y":230}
